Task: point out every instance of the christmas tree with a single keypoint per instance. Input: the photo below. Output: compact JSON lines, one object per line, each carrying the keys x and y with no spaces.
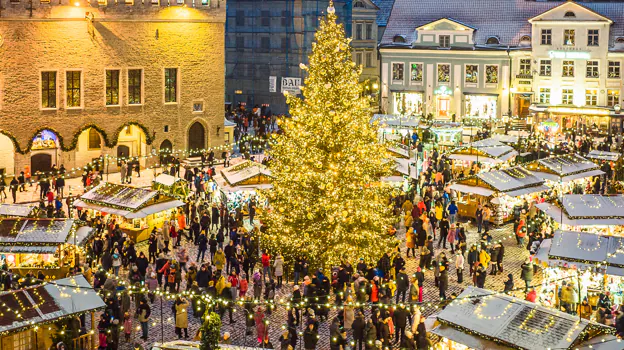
{"x":327,"y":200}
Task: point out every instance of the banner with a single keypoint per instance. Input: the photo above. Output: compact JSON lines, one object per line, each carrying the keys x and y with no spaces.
{"x":272,"y":84}
{"x":292,"y":85}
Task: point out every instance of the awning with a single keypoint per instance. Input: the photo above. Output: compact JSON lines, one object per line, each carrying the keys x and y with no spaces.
{"x":472,"y":189}
{"x":528,"y":190}
{"x":84,"y":205}
{"x":471,"y":341}
{"x":28,"y":249}
{"x":156,"y":208}
{"x":555,"y":178}
{"x":473,"y":158}
{"x":561,"y":217}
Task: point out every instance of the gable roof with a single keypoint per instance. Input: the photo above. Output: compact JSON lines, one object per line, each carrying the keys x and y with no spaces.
{"x":385,"y":8}
{"x":508,"y":20}
{"x":446,"y":19}
{"x":570,"y":4}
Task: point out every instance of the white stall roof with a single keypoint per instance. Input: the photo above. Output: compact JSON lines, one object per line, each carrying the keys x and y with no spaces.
{"x":492,"y":147}
{"x":511,"y":321}
{"x":562,"y":217}
{"x":20,"y":210}
{"x":593,"y":205}
{"x":511,"y":139}
{"x":244,"y":171}
{"x":167,"y":179}
{"x":603,"y":155}
{"x":390,"y":120}
{"x":568,"y":167}
{"x":19,"y":231}
{"x":482,"y":191}
{"x":119,"y":195}
{"x":510,"y":179}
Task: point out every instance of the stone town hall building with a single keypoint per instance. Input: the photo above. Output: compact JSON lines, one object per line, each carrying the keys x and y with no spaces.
{"x":83,"y":79}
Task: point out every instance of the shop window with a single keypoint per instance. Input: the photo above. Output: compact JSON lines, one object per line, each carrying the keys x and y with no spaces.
{"x":444,"y":73}
{"x":94,"y":139}
{"x":481,"y":106}
{"x":73,"y":89}
{"x":545,"y":68}
{"x":408,"y":103}
{"x":592,"y":69}
{"x":48,"y":89}
{"x":397,"y":73}
{"x":568,"y":69}
{"x":525,"y":67}
{"x":592,"y":37}
{"x":472,"y":74}
{"x":112,"y":87}
{"x":613,"y":97}
{"x":416,"y":74}
{"x":614,"y":70}
{"x":567,"y":96}
{"x":591,"y":97}
{"x":491,"y":74}
{"x":568,"y":37}
{"x":445,"y":41}
{"x":544,"y":95}
{"x":546,"y":37}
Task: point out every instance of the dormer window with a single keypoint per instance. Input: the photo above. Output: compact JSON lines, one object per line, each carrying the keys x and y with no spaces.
{"x":619,"y":40}
{"x":569,"y":14}
{"x":398,"y":39}
{"x":525,"y":40}
{"x":492,"y":41}
{"x":359,"y":4}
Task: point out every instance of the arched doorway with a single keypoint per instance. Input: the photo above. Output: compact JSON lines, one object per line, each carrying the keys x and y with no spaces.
{"x":196,"y":138}
{"x":123,"y":152}
{"x":7,"y":156}
{"x":165,"y":152}
{"x":131,"y":142}
{"x":89,"y":147}
{"x":40,"y":162}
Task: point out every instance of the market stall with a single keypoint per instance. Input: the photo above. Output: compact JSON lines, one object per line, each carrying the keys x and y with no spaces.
{"x":17,"y":210}
{"x":171,"y":185}
{"x":447,"y":134}
{"x":395,"y":127}
{"x":564,"y":168}
{"x":488,"y":152}
{"x":30,"y":245}
{"x":604,"y":155}
{"x":593,"y":263}
{"x":136,"y":210}
{"x":239,"y":183}
{"x":587,"y":211}
{"x":399,"y":151}
{"x":482,"y":319}
{"x":500,"y":189}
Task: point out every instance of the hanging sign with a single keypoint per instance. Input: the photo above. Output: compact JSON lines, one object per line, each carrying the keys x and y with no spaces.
{"x":272,"y":84}
{"x":292,"y":85}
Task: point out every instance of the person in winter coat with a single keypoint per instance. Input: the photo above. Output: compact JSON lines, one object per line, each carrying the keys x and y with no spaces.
{"x":499,"y":258}
{"x":527,"y":273}
{"x":359,"y":331}
{"x":181,"y":319}
{"x":370,"y":335}
{"x":410,"y":242}
{"x":401,"y":316}
{"x":473,"y":257}
{"x":202,"y":246}
{"x":443,"y":279}
{"x":494,"y":259}
{"x":402,"y":284}
{"x":261,"y":326}
{"x":310,"y":337}
{"x":584,"y":309}
{"x":422,"y":343}
{"x":219,"y":259}
{"x":278,"y":269}
{"x":459,"y":266}
{"x":480,"y":276}
{"x":484,"y":258}
{"x":509,"y":284}
{"x":409,"y":341}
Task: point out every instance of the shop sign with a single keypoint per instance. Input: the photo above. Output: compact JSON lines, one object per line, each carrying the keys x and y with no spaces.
{"x":292,"y":85}
{"x":442,"y":91}
{"x":272,"y":84}
{"x":569,"y":54}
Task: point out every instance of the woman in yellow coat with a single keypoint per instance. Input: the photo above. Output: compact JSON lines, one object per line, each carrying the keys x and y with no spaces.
{"x":181,"y":321}
{"x":484,"y":258}
{"x":408,"y":220}
{"x":410,"y":242}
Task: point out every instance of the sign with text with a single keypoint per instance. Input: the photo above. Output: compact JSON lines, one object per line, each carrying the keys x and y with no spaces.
{"x":292,"y":85}
{"x":272,"y":84}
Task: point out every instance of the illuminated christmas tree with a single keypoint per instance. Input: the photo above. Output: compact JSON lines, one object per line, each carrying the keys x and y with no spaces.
{"x":327,"y":199}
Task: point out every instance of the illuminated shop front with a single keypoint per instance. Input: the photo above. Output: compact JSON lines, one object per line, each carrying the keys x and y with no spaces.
{"x":407,"y":103}
{"x":588,"y":119}
{"x":443,"y":101}
{"x":481,"y":106}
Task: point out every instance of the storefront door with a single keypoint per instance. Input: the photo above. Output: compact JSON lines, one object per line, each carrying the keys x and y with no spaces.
{"x":522,"y":103}
{"x":444,"y":104}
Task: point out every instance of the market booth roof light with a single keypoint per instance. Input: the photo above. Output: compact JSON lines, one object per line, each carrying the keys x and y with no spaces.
{"x":509,"y":321}
{"x":564,"y":168}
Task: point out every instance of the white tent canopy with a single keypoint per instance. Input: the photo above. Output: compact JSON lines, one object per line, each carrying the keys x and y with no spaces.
{"x":603,"y":155}
{"x":565,"y":168}
{"x":496,"y":152}
{"x":21,"y":210}
{"x":167,"y":179}
{"x":513,"y":182}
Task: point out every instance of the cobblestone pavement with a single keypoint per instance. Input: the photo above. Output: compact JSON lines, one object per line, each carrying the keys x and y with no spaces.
{"x":158,"y":331}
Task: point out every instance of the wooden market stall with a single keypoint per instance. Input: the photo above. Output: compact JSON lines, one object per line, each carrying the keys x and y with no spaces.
{"x":46,"y":305}
{"x":500,"y":189}
{"x":18,"y":210}
{"x":488,"y":152}
{"x":171,"y":186}
{"x":398,"y":150}
{"x":564,"y":168}
{"x":604,"y":155}
{"x":588,"y":212}
{"x":593,"y":261}
{"x":50,"y":245}
{"x":483,"y":319}
{"x":137,"y":210}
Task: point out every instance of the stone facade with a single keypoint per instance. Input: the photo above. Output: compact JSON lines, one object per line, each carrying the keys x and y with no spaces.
{"x":91,"y":39}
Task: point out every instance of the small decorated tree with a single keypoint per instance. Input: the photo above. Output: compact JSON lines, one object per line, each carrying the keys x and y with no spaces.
{"x":211,"y":332}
